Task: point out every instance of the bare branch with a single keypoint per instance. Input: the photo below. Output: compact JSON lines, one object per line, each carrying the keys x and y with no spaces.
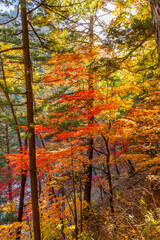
{"x":13,"y":105}
{"x":65,"y":6}
{"x":42,"y":43}
{"x":10,"y":49}
{"x":20,"y":104}
{"x":139,"y":45}
{"x":64,"y":17}
{"x":36,"y":7}
{"x":11,"y":20}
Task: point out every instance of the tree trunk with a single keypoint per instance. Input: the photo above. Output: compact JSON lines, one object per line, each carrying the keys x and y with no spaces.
{"x":115,"y":151}
{"x":8,"y":166}
{"x":109,"y":175}
{"x":24,"y":174}
{"x":54,"y":195}
{"x":155,"y":9}
{"x":74,"y":198}
{"x":87,"y":189}
{"x":11,"y":105}
{"x":81,"y":215}
{"x":21,"y":198}
{"x":31,"y":133}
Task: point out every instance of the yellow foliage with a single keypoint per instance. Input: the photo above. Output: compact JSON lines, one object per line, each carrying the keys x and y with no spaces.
{"x":8,"y":231}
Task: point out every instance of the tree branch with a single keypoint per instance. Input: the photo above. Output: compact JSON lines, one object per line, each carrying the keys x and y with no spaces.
{"x":136,"y":47}
{"x":37,"y":35}
{"x":36,"y":7}
{"x":65,"y":6}
{"x":10,"y":49}
{"x":11,"y":20}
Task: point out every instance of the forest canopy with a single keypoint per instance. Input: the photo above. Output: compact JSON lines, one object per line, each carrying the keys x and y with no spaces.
{"x":79,"y":119}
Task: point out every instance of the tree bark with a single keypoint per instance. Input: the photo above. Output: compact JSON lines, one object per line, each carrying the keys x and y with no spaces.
{"x":30,"y":115}
{"x":74,"y":198}
{"x":8,"y":166}
{"x":155,"y":9}
{"x":109,"y":175}
{"x":21,"y":198}
{"x":54,"y":195}
{"x":87,"y":188}
{"x":81,"y":211}
{"x":11,"y":105}
{"x":23,"y":174}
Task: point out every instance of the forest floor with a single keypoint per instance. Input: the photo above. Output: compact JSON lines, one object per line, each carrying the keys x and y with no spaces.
{"x":136,"y":202}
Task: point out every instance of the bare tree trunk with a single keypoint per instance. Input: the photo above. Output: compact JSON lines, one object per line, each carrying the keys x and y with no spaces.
{"x":109,"y":175}
{"x":8,"y":152}
{"x":30,"y":114}
{"x":115,"y":151}
{"x":87,"y":188}
{"x":155,"y":9}
{"x":24,"y":174}
{"x":11,"y":105}
{"x":81,"y":215}
{"x":74,"y":198}
{"x":54,"y":195}
{"x":21,"y":199}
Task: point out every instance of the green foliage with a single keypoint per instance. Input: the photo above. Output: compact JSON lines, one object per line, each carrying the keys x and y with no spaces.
{"x":7,"y":217}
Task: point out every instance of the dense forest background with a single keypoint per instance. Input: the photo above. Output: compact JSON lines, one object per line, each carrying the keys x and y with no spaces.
{"x":79,"y":119}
